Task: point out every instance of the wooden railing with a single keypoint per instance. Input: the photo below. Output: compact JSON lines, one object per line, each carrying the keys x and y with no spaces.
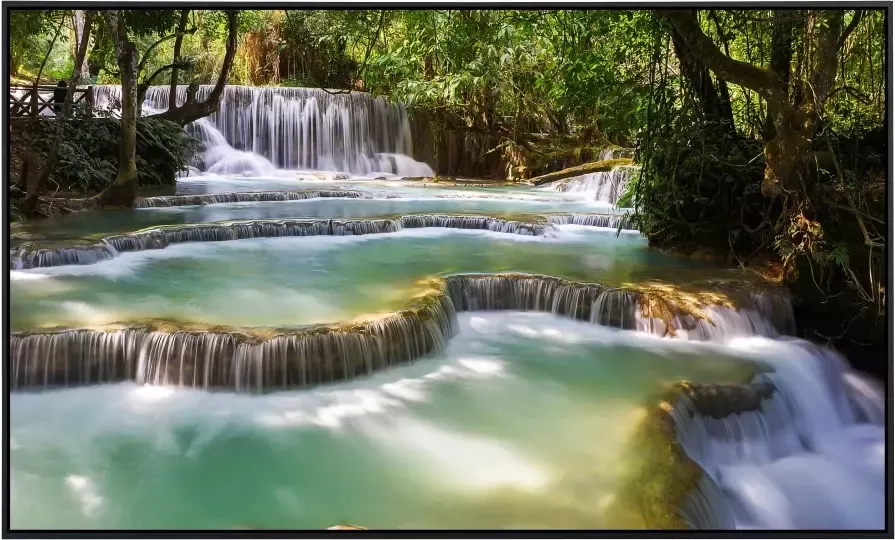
{"x":26,"y":101}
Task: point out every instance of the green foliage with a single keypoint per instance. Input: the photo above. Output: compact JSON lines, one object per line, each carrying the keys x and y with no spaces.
{"x":88,"y":157}
{"x":163,"y":150}
{"x":31,"y":33}
{"x":78,"y":169}
{"x":700,"y":187}
{"x":150,"y":22}
{"x":545,"y":70}
{"x":702,"y":180}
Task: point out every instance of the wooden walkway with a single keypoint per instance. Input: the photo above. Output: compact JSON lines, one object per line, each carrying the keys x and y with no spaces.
{"x":28,"y":102}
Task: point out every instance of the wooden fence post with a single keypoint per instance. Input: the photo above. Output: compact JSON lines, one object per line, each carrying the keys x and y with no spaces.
{"x":90,"y":101}
{"x":34,"y":102}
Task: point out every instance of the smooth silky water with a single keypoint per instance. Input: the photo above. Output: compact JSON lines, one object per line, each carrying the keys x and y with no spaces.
{"x":520,"y":423}
{"x":303,"y":280}
{"x":524,"y":420}
{"x":386,"y":201}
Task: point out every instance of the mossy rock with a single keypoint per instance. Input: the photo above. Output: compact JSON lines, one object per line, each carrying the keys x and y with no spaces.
{"x":655,"y":484}
{"x":661,"y":476}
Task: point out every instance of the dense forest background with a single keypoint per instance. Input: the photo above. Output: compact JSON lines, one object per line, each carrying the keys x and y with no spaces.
{"x":761,"y":134}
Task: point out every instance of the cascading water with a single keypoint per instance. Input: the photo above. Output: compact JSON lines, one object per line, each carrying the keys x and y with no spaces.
{"x":245,"y":196}
{"x":160,"y":238}
{"x":231,"y":360}
{"x":800,"y":446}
{"x":594,"y":220}
{"x":278,"y":358}
{"x":218,"y":157}
{"x":258,"y":130}
{"x":606,"y":187}
{"x":809,"y":455}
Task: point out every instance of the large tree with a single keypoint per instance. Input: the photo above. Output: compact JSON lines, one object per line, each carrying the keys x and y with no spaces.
{"x":192,"y":109}
{"x":123,"y":190}
{"x":37,"y":183}
{"x":792,"y":115}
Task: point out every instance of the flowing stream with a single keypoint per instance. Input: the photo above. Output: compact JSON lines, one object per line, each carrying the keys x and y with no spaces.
{"x":300,"y":338}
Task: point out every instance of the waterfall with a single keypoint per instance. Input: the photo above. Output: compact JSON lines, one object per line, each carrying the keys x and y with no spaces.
{"x":759,"y":314}
{"x":472,"y":222}
{"x":236,"y":360}
{"x":258,"y":130}
{"x":804,"y":451}
{"x":523,"y":292}
{"x":594,"y":220}
{"x":241,"y":196}
{"x":161,"y":237}
{"x":264,"y":359}
{"x":767,"y":313}
{"x":607,"y":186}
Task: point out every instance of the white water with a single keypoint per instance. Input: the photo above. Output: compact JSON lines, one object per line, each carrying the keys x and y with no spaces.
{"x":605,"y":187}
{"x":813,"y":457}
{"x":519,"y":423}
{"x":257,"y":131}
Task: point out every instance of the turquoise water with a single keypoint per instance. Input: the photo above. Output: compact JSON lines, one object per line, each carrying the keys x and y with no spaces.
{"x":74,"y":226}
{"x":524,"y":421}
{"x":393,"y":187}
{"x":519,"y":424}
{"x":292,"y":281}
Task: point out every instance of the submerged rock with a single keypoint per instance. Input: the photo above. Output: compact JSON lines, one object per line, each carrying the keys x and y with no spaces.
{"x":659,"y":478}
{"x":663,"y":487}
{"x":721,"y":400}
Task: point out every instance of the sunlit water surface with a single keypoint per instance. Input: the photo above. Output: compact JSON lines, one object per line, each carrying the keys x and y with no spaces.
{"x":522,"y":422}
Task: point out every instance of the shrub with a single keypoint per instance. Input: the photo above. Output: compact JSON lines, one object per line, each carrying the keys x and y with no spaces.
{"x":88,"y":156}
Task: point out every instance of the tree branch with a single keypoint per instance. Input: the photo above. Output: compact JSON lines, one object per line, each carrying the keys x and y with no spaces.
{"x":183,"y":64}
{"x":175,"y":74}
{"x":215,"y":95}
{"x":825,"y":26}
{"x":144,"y":86}
{"x":146,"y":55}
{"x":372,"y":43}
{"x":46,"y":56}
{"x":733,"y":71}
{"x":191,"y":110}
{"x":852,"y":24}
{"x":867,"y":239}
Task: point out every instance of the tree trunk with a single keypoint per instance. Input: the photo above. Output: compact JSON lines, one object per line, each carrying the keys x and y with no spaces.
{"x":78,"y":24}
{"x":714,"y":107}
{"x":781,"y":57}
{"x":192,"y":110}
{"x":578,"y":170}
{"x":123,"y":190}
{"x":794,"y":125}
{"x":29,"y":204}
{"x":30,"y":172}
{"x":175,"y":71}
